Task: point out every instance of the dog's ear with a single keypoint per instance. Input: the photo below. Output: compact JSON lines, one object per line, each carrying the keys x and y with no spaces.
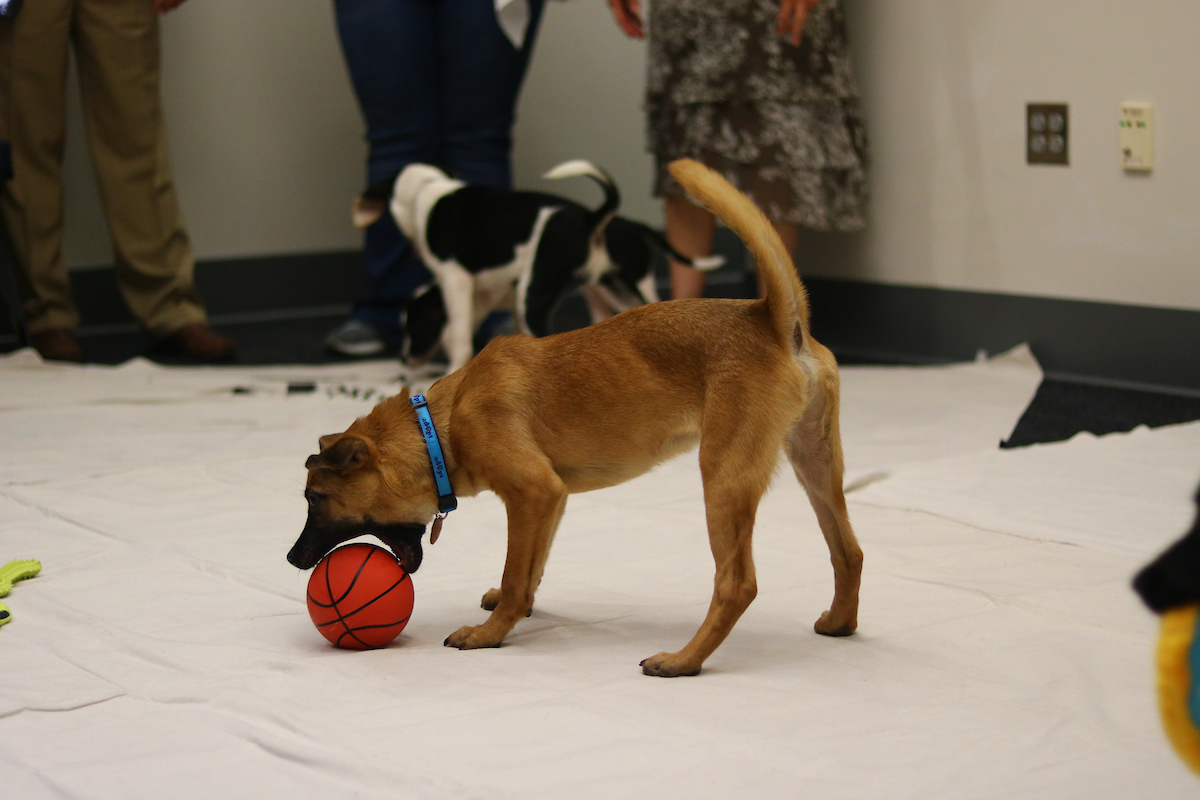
{"x":346,"y":453}
{"x":326,"y":440}
{"x":367,"y":210}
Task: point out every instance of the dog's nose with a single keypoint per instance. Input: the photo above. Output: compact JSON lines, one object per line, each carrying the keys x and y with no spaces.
{"x":300,"y":558}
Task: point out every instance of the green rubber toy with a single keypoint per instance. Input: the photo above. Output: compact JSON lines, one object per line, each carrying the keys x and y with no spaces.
{"x":10,"y":573}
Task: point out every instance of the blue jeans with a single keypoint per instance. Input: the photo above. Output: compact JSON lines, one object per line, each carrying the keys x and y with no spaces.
{"x":437,"y":81}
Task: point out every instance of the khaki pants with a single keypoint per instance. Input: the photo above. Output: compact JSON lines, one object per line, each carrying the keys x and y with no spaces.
{"x":117,"y":50}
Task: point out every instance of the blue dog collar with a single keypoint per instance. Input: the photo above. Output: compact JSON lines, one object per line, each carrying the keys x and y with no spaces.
{"x":447,"y":502}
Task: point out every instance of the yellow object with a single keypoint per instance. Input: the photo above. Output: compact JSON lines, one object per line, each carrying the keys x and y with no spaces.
{"x":10,"y":573}
{"x":1179,"y":682}
{"x":17,"y":570}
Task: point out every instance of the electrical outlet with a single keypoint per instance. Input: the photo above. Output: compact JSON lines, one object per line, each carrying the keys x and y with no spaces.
{"x":1137,"y":136}
{"x":1046,"y":134}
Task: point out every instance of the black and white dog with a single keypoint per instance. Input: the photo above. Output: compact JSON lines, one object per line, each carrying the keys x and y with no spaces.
{"x":491,"y":248}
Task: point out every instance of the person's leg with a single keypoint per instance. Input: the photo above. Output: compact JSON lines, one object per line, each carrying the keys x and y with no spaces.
{"x":690,"y":230}
{"x":389,"y":51}
{"x":33,"y":80}
{"x":481,"y":72}
{"x":481,"y":76}
{"x":788,"y":234}
{"x":117,"y":50}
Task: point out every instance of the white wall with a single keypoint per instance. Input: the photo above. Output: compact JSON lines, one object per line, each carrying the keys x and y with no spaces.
{"x":267,"y":149}
{"x":265,"y":138}
{"x":583,"y":99}
{"x":955,"y":205}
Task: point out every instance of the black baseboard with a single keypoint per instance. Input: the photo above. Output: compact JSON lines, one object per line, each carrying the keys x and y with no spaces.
{"x":1138,"y":347}
{"x":237,"y":290}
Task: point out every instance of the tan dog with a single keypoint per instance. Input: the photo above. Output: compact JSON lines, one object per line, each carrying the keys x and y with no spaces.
{"x":534,"y":420}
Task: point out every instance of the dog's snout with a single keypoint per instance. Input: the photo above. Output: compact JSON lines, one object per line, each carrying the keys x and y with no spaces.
{"x":319,"y":538}
{"x":297,"y":560}
{"x":314,"y":541}
{"x":302,"y":555}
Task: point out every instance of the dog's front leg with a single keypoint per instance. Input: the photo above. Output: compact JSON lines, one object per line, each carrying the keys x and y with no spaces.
{"x":533,"y":516}
{"x":458,"y":289}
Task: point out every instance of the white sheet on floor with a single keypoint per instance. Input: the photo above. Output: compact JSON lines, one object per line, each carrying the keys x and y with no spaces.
{"x":1125,"y":492}
{"x":898,"y":415}
{"x":165,"y":650}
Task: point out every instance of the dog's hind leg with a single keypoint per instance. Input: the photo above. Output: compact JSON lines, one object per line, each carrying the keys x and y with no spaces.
{"x":648,"y":289}
{"x":736,"y":470}
{"x":535,"y":506}
{"x":815,"y":450}
{"x":598,"y":307}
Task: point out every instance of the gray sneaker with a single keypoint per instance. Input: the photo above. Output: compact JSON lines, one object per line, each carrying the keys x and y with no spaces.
{"x":355,"y":338}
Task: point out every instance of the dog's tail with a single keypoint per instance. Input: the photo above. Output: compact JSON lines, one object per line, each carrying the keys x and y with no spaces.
{"x":786,"y":299}
{"x":598,"y":218}
{"x":656,"y":239}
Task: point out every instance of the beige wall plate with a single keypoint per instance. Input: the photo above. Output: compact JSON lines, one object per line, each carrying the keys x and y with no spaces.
{"x":1137,"y":136}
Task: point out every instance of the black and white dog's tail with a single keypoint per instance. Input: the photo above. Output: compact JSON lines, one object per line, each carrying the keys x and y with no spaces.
{"x":598,"y":218}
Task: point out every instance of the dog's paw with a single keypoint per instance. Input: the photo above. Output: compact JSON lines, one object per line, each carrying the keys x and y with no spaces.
{"x":491,"y":599}
{"x":827,"y":626}
{"x":668,"y":665}
{"x":470,"y":637}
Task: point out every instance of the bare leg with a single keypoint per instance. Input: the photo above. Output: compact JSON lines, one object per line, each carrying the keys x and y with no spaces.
{"x":690,"y":231}
{"x":788,"y":234}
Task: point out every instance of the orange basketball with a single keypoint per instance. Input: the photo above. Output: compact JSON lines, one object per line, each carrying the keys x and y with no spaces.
{"x":359,"y":597}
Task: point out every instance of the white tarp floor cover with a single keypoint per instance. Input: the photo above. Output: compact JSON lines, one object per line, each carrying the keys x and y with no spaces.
{"x":165,"y":649}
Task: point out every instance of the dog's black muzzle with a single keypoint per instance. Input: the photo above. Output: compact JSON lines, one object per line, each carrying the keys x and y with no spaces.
{"x":319,"y":538}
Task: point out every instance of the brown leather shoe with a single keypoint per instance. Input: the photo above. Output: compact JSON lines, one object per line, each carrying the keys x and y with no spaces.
{"x":197,"y":342}
{"x":58,"y":344}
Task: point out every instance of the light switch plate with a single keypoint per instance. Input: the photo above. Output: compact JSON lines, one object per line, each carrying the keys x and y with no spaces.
{"x":1137,"y":136}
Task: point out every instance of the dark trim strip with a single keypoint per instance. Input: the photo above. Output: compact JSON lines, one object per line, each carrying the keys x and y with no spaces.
{"x":237,"y":290}
{"x":1110,"y":344}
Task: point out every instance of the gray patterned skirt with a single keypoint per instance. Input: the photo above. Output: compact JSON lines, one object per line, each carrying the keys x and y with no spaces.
{"x":782,"y":123}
